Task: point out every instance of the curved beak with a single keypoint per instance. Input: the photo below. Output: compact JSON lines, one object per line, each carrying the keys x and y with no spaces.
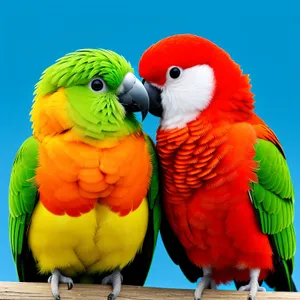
{"x":133,"y":95}
{"x":155,"y":106}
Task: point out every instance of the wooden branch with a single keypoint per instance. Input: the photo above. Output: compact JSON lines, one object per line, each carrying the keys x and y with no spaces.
{"x":41,"y":291}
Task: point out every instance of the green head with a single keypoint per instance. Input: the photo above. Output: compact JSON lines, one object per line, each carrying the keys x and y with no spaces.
{"x":100,"y":94}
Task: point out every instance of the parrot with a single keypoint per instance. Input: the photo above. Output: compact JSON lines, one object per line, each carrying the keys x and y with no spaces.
{"x":84,"y":200}
{"x":227,"y":192}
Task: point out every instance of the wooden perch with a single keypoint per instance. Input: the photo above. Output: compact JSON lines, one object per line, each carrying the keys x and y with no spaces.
{"x":41,"y":291}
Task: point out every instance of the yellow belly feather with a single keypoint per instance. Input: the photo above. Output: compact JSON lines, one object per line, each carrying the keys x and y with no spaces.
{"x":94,"y":242}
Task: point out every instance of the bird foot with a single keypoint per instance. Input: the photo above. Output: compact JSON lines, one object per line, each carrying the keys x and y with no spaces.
{"x":115,"y":279}
{"x":55,"y":279}
{"x":253,"y":286}
{"x":205,"y":282}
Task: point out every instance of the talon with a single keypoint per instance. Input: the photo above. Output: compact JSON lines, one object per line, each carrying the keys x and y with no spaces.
{"x":55,"y":279}
{"x":204,"y":283}
{"x":253,"y":286}
{"x":115,"y":279}
{"x":111,"y":297}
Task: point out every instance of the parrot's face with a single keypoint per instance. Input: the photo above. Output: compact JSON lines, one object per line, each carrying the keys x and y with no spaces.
{"x":184,"y":76}
{"x":91,"y":91}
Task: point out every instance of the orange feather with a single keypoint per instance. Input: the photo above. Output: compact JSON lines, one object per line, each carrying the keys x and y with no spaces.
{"x":73,"y":176}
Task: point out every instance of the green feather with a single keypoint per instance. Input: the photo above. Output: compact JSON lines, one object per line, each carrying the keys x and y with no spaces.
{"x":95,"y":115}
{"x":99,"y":115}
{"x":154,"y":192}
{"x":273,"y":197}
{"x":22,"y":200}
{"x":78,"y":67}
{"x":287,"y":272}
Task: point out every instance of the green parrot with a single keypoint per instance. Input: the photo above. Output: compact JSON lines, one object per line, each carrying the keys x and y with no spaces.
{"x":84,"y":200}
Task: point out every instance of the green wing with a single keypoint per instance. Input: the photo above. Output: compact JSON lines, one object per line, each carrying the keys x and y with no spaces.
{"x":136,"y":273}
{"x":273,"y":198}
{"x":22,"y":199}
{"x":154,"y":196}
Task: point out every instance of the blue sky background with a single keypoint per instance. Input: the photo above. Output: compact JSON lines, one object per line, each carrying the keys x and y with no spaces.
{"x":262,"y":36}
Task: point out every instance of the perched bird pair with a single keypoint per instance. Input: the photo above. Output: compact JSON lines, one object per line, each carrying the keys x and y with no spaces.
{"x":87,"y":195}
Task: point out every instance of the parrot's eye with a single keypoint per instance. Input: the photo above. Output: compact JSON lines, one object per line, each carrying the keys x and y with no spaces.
{"x":174,"y":72}
{"x":97,"y":85}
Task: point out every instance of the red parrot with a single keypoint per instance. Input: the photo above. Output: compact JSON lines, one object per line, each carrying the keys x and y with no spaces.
{"x":228,"y":194}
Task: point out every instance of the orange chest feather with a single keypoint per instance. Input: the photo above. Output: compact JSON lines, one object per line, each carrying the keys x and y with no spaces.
{"x":73,"y":176}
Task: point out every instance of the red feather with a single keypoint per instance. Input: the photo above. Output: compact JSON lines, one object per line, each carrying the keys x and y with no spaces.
{"x":209,"y":164}
{"x":206,"y":201}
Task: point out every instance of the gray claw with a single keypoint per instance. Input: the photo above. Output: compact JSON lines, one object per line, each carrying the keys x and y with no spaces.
{"x":55,"y":279}
{"x":253,"y":286}
{"x":204,"y":283}
{"x":111,"y":297}
{"x":115,"y":279}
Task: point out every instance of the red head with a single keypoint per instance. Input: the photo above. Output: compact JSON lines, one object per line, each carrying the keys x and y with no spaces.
{"x":193,"y":76}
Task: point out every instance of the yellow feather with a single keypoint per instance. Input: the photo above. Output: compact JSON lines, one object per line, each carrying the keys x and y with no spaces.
{"x":94,"y":242}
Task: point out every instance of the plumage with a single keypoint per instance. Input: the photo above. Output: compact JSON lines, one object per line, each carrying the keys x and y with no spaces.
{"x":192,"y":220}
{"x":228,"y":196}
{"x":87,"y":244}
{"x":84,"y":189}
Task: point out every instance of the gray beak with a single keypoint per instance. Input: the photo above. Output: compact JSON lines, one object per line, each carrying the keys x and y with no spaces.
{"x":133,"y":95}
{"x":155,"y":106}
